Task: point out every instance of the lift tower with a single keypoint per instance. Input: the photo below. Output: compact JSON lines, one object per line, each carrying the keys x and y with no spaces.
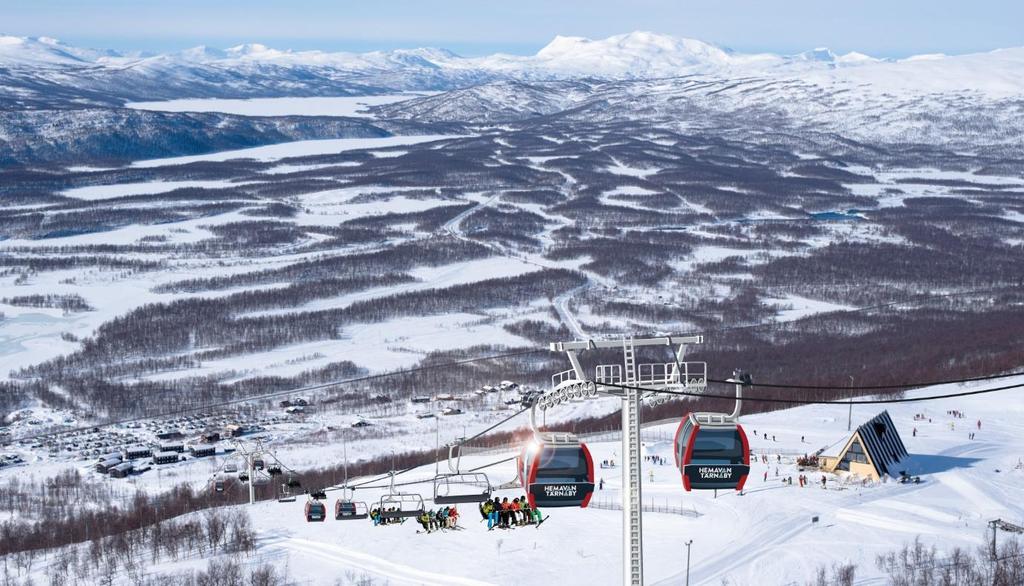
{"x":575,"y":384}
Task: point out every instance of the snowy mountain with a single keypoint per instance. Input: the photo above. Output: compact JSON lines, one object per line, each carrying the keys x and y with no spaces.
{"x":970,"y":99}
{"x":29,"y":65}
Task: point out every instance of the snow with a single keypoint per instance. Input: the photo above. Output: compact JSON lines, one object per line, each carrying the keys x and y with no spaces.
{"x":315,"y":106}
{"x":620,"y":169}
{"x":794,"y":307}
{"x":98,"y":192}
{"x":379,"y":347}
{"x":763,"y":537}
{"x":900,"y":181}
{"x":301,"y":148}
{"x":634,"y":55}
{"x":388,"y":154}
{"x":281,"y":169}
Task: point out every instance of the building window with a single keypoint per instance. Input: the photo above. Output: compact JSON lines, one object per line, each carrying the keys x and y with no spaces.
{"x":854,"y":454}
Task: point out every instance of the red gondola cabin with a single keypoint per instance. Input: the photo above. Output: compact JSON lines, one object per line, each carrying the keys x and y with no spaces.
{"x":711,"y":452}
{"x":557,"y":472}
{"x":315,"y":511}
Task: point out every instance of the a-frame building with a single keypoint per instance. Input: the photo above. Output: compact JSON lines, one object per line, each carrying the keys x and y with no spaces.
{"x":872,"y":451}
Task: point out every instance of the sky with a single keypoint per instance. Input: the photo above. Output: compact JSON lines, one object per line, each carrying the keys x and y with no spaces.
{"x":882,"y":28}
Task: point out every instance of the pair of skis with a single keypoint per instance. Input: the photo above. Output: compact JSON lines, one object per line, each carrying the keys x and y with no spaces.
{"x":535,"y":526}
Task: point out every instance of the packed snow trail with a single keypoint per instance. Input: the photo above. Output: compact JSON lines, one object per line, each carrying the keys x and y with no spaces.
{"x":561,"y":302}
{"x":562,"y":307}
{"x":375,"y":566}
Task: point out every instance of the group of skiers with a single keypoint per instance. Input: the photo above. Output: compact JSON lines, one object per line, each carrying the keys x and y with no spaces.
{"x":378,"y":519}
{"x":955,"y":414}
{"x":446,"y":518}
{"x":503,"y":514}
{"x":498,"y":512}
{"x":773,"y":437}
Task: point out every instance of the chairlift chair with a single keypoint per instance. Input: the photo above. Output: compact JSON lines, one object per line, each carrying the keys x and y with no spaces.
{"x":285,"y":496}
{"x":293,"y":481}
{"x":404,"y":504}
{"x":274,"y":470}
{"x":317,"y":494}
{"x":711,"y":449}
{"x":456,"y":487}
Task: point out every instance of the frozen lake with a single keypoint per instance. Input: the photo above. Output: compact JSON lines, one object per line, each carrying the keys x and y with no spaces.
{"x":316,"y":106}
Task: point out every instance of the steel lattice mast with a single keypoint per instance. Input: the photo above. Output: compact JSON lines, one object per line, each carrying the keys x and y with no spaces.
{"x":575,"y":384}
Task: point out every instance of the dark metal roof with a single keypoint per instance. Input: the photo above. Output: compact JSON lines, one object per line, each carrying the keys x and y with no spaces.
{"x":882,"y":442}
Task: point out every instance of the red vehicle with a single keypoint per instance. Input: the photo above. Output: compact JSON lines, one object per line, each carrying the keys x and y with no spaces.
{"x":711,"y":452}
{"x":345,"y":510}
{"x":315,"y":511}
{"x":556,"y":470}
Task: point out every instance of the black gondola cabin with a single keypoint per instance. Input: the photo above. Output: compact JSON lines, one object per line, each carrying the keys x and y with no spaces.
{"x":557,"y":473}
{"x":711,"y":452}
{"x":315,"y":511}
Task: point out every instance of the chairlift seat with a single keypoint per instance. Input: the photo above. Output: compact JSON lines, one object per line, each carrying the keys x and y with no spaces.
{"x":404,"y":505}
{"x":454,"y":489}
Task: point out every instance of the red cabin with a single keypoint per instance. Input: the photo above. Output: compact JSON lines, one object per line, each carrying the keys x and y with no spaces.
{"x":711,"y":452}
{"x":315,"y":511}
{"x":557,"y":472}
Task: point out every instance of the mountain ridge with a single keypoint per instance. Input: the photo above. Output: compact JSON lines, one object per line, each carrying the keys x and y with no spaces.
{"x":629,"y":55}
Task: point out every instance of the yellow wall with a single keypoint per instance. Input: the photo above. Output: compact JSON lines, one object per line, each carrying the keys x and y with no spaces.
{"x":829,"y":463}
{"x":866,"y":470}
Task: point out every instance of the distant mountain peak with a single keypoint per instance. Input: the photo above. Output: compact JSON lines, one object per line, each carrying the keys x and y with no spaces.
{"x":253,"y":49}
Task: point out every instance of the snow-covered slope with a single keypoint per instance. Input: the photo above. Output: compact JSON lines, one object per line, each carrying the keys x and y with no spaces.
{"x":764,"y":537}
{"x":767,"y":536}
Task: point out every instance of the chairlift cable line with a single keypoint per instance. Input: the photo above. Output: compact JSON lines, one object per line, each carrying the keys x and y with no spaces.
{"x":879,"y":387}
{"x":382,"y":477}
{"x":424,"y":481}
{"x":820,"y":402}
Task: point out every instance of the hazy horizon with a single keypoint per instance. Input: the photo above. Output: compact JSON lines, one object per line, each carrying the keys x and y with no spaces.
{"x":462,"y":49}
{"x":873,"y":27}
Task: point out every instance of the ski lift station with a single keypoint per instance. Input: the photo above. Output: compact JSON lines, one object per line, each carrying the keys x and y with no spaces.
{"x":871,"y":452}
